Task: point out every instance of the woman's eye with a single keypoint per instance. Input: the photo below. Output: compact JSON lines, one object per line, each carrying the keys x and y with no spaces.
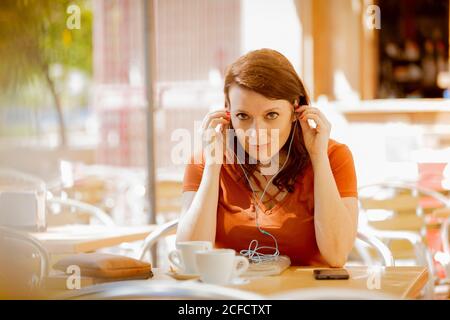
{"x":272,"y":115}
{"x":241,"y":116}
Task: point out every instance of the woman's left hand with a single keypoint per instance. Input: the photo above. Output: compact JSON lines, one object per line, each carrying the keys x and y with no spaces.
{"x":316,"y":139}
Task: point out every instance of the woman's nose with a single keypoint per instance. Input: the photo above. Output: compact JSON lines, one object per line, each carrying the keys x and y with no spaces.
{"x":258,"y":125}
{"x":258,"y":135}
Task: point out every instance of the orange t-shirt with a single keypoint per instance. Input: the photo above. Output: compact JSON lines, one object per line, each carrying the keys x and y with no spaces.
{"x":291,"y":221}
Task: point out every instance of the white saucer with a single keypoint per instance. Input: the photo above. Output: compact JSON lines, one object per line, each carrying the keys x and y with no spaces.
{"x":182,"y":276}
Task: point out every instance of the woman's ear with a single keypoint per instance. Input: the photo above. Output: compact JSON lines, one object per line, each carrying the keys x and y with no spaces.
{"x":294,"y":113}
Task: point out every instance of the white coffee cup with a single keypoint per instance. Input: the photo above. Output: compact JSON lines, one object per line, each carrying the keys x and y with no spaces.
{"x":220,"y":266}
{"x":184,"y":257}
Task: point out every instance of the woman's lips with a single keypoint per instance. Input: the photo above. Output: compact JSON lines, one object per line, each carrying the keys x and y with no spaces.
{"x":258,"y":147}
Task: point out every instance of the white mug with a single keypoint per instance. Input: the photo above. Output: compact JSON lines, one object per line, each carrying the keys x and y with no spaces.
{"x":220,"y":266}
{"x":184,"y":259}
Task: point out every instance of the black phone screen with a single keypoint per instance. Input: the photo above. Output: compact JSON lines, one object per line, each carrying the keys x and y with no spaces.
{"x":331,"y":274}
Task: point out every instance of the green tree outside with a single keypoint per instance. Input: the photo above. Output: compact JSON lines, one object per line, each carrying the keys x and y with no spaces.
{"x":34,"y":37}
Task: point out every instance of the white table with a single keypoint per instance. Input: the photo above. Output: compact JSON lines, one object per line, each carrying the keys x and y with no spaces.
{"x":395,"y":282}
{"x":88,"y":238}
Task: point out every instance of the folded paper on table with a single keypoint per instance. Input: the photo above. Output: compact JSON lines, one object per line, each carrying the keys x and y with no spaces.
{"x":106,"y":266}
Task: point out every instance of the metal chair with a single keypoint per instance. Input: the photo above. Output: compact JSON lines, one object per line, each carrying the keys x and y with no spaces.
{"x":158,"y":289}
{"x":416,"y":237}
{"x":24,"y":181}
{"x":8,"y":235}
{"x":159,"y":233}
{"x":446,"y":243}
{"x":86,"y":208}
{"x":382,"y":250}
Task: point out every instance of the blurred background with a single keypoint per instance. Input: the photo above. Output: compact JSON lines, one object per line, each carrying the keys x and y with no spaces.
{"x":79,"y":79}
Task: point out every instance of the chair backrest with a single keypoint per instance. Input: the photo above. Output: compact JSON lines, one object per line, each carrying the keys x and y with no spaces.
{"x":409,"y":201}
{"x":403,"y":230}
{"x":82,"y":207}
{"x":403,"y":233}
{"x":446,"y":245}
{"x":387,"y":207}
{"x":413,"y":189}
{"x":19,"y":263}
{"x":382,"y":250}
{"x":157,"y":234}
{"x":159,"y":289}
{"x":168,"y":195}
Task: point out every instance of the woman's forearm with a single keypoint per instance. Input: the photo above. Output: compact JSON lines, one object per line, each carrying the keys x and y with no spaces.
{"x":335,"y":228}
{"x":198,"y":222}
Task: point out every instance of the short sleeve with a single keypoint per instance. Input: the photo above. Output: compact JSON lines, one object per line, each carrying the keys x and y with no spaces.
{"x":343,"y":168}
{"x":193,"y":172}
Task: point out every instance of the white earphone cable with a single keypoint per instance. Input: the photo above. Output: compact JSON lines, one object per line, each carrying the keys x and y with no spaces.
{"x":253,"y":252}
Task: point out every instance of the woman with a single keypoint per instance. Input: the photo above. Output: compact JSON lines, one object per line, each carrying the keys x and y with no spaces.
{"x":308,"y":210}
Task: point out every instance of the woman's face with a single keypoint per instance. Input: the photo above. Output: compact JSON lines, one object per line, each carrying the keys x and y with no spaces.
{"x":262,"y":125}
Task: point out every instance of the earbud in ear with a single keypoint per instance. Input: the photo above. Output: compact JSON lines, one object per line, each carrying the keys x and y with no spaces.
{"x":294,"y":110}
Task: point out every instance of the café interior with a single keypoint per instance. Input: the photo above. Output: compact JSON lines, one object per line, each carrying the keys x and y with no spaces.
{"x":97,"y":92}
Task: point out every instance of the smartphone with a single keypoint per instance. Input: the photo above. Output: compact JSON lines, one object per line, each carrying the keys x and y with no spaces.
{"x":331,"y":274}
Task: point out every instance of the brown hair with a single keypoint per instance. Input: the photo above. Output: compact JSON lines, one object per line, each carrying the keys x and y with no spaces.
{"x":270,"y":74}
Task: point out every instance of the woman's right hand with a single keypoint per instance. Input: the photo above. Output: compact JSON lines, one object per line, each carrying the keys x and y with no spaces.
{"x":213,"y":137}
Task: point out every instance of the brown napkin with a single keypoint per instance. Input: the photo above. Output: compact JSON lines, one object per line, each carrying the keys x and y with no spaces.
{"x":103,"y":265}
